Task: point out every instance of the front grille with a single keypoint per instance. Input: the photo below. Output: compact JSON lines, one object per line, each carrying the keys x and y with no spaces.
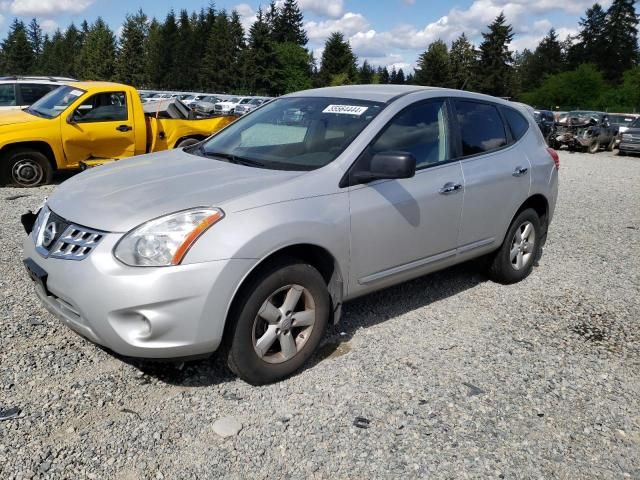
{"x":56,"y":237}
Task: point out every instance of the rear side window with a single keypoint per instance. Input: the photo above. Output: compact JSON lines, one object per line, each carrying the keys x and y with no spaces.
{"x":517,"y":123}
{"x":32,"y":92}
{"x":7,"y":95}
{"x":481,"y":127}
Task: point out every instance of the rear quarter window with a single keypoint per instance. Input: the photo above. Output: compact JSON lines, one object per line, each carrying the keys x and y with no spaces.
{"x":516,"y":121}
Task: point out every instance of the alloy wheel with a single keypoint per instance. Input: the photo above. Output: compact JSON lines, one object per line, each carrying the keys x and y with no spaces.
{"x":522,"y":246}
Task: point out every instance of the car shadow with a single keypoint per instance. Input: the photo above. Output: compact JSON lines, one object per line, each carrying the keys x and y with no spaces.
{"x":363,"y":312}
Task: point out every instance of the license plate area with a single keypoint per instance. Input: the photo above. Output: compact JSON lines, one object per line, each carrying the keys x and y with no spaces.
{"x":37,"y":273}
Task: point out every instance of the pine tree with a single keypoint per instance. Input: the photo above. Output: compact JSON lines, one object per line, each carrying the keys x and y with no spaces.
{"x":462,"y":62}
{"x":394,"y":75}
{"x":219,"y":60}
{"x":400,"y":78}
{"x":98,"y":54}
{"x":383,"y":75}
{"x":34,"y":32}
{"x":590,"y":47}
{"x":294,"y":68}
{"x":130,"y":64}
{"x":495,"y":67}
{"x":261,"y":58}
{"x":410,"y":80}
{"x":52,"y":58}
{"x":153,"y":55}
{"x":288,"y":24}
{"x":432,"y":68}
{"x":549,"y":54}
{"x":170,"y":65}
{"x":365,"y":73}
{"x":338,"y":65}
{"x":18,"y":58}
{"x":184,"y":73}
{"x":621,"y":33}
{"x":66,"y":49}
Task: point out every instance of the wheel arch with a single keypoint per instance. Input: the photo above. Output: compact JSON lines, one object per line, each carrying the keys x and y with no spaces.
{"x":39,"y":145}
{"x":540,"y":204}
{"x":187,"y":137}
{"x":318,"y":257}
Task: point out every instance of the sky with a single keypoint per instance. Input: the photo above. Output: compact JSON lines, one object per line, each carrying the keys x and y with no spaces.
{"x":385,"y":32}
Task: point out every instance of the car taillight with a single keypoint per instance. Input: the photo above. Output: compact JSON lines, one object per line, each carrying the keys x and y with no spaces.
{"x":554,"y":155}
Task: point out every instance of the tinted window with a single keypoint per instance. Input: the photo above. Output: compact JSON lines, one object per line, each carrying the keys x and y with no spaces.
{"x":32,"y":92}
{"x":103,"y":107}
{"x":481,"y":127}
{"x":420,"y":130}
{"x":517,"y":123}
{"x":7,"y":95}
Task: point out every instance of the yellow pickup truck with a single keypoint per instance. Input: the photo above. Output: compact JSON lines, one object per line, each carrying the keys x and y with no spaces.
{"x":88,"y":123}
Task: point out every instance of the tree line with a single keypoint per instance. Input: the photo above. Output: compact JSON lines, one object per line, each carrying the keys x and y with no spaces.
{"x":209,"y":50}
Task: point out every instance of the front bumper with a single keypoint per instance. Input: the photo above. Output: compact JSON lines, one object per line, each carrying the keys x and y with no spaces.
{"x":166,"y":312}
{"x":629,"y":147}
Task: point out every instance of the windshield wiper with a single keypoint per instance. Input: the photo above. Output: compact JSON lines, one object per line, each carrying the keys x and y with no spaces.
{"x":231,"y":158}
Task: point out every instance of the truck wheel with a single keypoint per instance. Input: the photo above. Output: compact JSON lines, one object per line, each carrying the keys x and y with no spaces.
{"x":594,"y":147}
{"x":187,"y":142}
{"x":611,"y":145}
{"x":25,"y":167}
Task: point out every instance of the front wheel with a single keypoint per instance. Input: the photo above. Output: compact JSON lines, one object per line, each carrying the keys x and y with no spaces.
{"x":594,"y":147}
{"x":25,"y":167}
{"x":279,"y":322}
{"x":187,"y":142}
{"x":514,"y":260}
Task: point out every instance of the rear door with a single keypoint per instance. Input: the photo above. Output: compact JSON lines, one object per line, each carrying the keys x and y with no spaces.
{"x":404,"y":227}
{"x":496,"y":172}
{"x":100,"y":127}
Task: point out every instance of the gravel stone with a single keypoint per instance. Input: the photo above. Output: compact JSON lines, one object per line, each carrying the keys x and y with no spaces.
{"x":557,"y":358}
{"x":227,"y":427}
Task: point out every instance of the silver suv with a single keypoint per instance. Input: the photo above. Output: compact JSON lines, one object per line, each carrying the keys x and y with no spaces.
{"x":252,"y":240}
{"x":21,"y":92}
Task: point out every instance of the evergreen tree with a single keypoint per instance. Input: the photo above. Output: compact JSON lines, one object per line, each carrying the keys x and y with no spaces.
{"x":410,"y":80}
{"x":34,"y":32}
{"x":432,"y":68}
{"x":621,"y":34}
{"x":98,"y":55}
{"x":153,"y":55}
{"x":17,"y":58}
{"x":271,"y":17}
{"x":288,"y":24}
{"x":66,"y":48}
{"x":52,"y":58}
{"x":590,"y":47}
{"x":400,"y":79}
{"x":462,"y":62}
{"x":220,"y":58}
{"x":394,"y":75}
{"x":495,"y":67}
{"x":294,"y":68}
{"x":130,"y":64}
{"x":261,"y":58}
{"x":184,"y":73}
{"x":170,"y":64}
{"x":383,"y":75}
{"x":366,"y":73}
{"x":549,"y":54}
{"x":338,"y":65}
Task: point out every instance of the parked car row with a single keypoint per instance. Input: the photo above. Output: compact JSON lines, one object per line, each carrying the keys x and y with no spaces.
{"x":207,"y":105}
{"x":586,"y":131}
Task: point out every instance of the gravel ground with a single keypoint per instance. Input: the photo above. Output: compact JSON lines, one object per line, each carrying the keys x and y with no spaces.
{"x":453,"y":376}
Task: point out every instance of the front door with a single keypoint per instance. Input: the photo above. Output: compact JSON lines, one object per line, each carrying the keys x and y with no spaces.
{"x":101,"y":127}
{"x":401,"y":228}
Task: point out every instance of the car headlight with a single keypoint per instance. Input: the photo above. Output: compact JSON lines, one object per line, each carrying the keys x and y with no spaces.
{"x":166,"y":240}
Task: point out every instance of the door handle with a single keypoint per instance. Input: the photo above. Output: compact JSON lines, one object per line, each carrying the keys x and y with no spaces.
{"x":520,"y":171}
{"x":450,"y":187}
{"x":124,"y":128}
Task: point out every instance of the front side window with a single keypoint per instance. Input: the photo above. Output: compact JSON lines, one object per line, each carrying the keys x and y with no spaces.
{"x":32,"y":92}
{"x":7,"y":95}
{"x":102,"y":107}
{"x":421,"y":130}
{"x":481,"y":127}
{"x":55,"y":102}
{"x":292,"y":133}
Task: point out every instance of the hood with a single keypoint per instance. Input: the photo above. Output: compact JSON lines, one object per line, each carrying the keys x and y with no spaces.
{"x":13,"y":117}
{"x":119,"y":196}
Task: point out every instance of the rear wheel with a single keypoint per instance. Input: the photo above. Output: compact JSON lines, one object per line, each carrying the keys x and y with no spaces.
{"x":279,"y":322}
{"x":594,"y":147}
{"x":187,"y":142}
{"x":515,"y":259}
{"x":612,"y":145}
{"x":25,"y":167}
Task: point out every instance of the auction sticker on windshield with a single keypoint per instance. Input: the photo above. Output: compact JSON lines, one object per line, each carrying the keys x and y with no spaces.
{"x":345,"y":109}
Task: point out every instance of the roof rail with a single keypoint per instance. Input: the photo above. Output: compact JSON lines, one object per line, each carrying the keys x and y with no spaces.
{"x":38,"y":77}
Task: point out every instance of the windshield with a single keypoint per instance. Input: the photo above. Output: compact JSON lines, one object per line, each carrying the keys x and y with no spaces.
{"x":256,"y":101}
{"x":292,"y":133}
{"x":636,"y":123}
{"x":55,"y":102}
{"x":233,"y":100}
{"x":245,"y":101}
{"x":583,"y":117}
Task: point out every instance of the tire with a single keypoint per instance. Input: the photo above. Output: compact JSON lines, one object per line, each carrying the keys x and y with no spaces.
{"x":612,"y":145}
{"x":187,"y":142}
{"x":25,"y":167}
{"x":266,"y":347}
{"x":594,"y":147}
{"x":507,"y":268}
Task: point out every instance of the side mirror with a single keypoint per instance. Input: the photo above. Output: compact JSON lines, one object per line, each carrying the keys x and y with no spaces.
{"x":387,"y":165}
{"x":71,"y":118}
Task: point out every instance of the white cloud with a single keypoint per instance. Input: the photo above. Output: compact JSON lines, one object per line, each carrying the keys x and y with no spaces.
{"x":247,"y":15}
{"x":49,"y":26}
{"x":349,"y":24}
{"x":323,"y":8}
{"x":45,"y":8}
